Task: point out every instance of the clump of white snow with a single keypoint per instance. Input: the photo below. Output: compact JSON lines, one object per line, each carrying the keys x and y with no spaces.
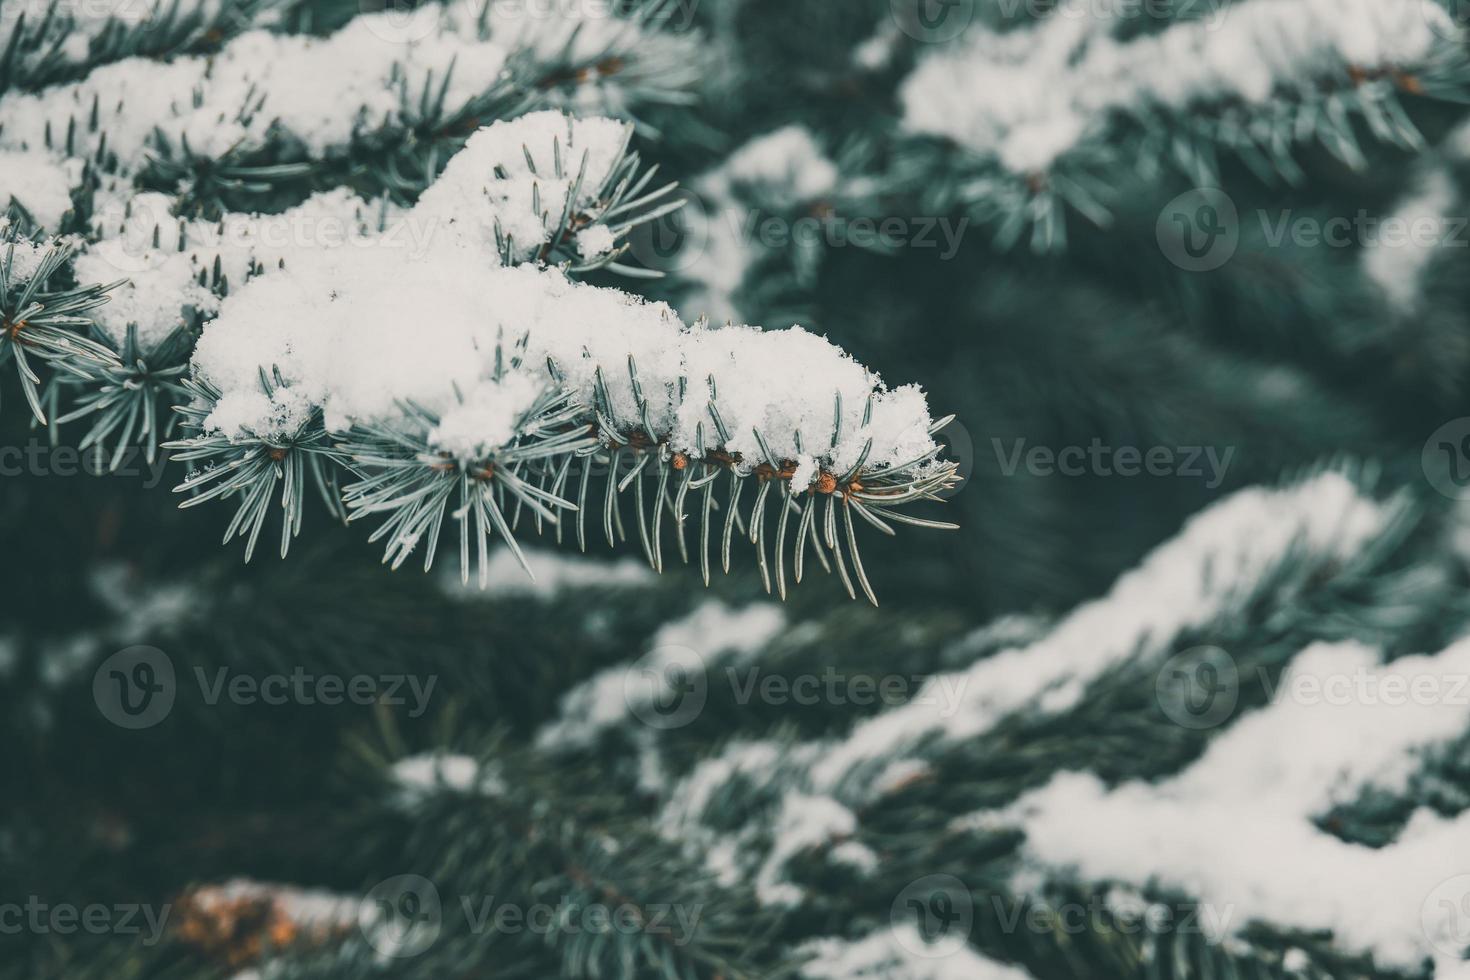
{"x":518,"y":177}
{"x":780,"y":171}
{"x":419,"y":776}
{"x":489,"y":416}
{"x":785,"y":165}
{"x":1395,"y":259}
{"x":320,"y":91}
{"x":595,"y":242}
{"x":24,"y":257}
{"x":900,"y":952}
{"x":711,"y":636}
{"x":39,"y":183}
{"x":554,"y":573}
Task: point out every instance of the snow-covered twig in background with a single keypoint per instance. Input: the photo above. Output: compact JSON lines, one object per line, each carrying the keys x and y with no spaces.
{"x":1236,"y":828}
{"x":384,"y":106}
{"x":776,"y":174}
{"x":1035,"y":109}
{"x":45,"y":42}
{"x":899,"y":953}
{"x":1202,"y":576}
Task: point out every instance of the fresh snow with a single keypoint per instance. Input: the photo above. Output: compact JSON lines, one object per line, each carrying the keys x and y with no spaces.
{"x":900,"y":953}
{"x":24,"y":257}
{"x":554,"y":573}
{"x":1235,"y":829}
{"x":491,"y":183}
{"x":357,"y":332}
{"x":163,"y":280}
{"x":419,"y":776}
{"x":710,"y":636}
{"x":1186,"y":582}
{"x":777,"y":171}
{"x":37,"y":183}
{"x":786,"y":165}
{"x":318,"y":93}
{"x":1410,"y":238}
{"x":1190,"y":581}
{"x":78,"y":26}
{"x":1027,"y":96}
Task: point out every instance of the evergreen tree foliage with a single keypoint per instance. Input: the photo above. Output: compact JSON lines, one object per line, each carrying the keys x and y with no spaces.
{"x":471,"y":273}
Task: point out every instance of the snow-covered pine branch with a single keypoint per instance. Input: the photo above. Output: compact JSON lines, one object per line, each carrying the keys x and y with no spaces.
{"x":379,"y":104}
{"x":46,"y":42}
{"x":135,"y":163}
{"x":456,"y":377}
{"x":458,"y":380}
{"x":1036,"y":113}
{"x":431,"y":340}
{"x":1255,"y":547}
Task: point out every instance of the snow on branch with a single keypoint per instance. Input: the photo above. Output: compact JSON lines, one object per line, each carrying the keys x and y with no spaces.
{"x":253,"y":113}
{"x":44,"y":42}
{"x":1206,"y":573}
{"x":542,"y":187}
{"x":1188,"y":582}
{"x":40,"y":317}
{"x":1236,"y":829}
{"x":1045,"y":103}
{"x":1028,"y":96}
{"x":441,"y":363}
{"x":777,"y":172}
{"x":900,"y":952}
{"x":438,"y":352}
